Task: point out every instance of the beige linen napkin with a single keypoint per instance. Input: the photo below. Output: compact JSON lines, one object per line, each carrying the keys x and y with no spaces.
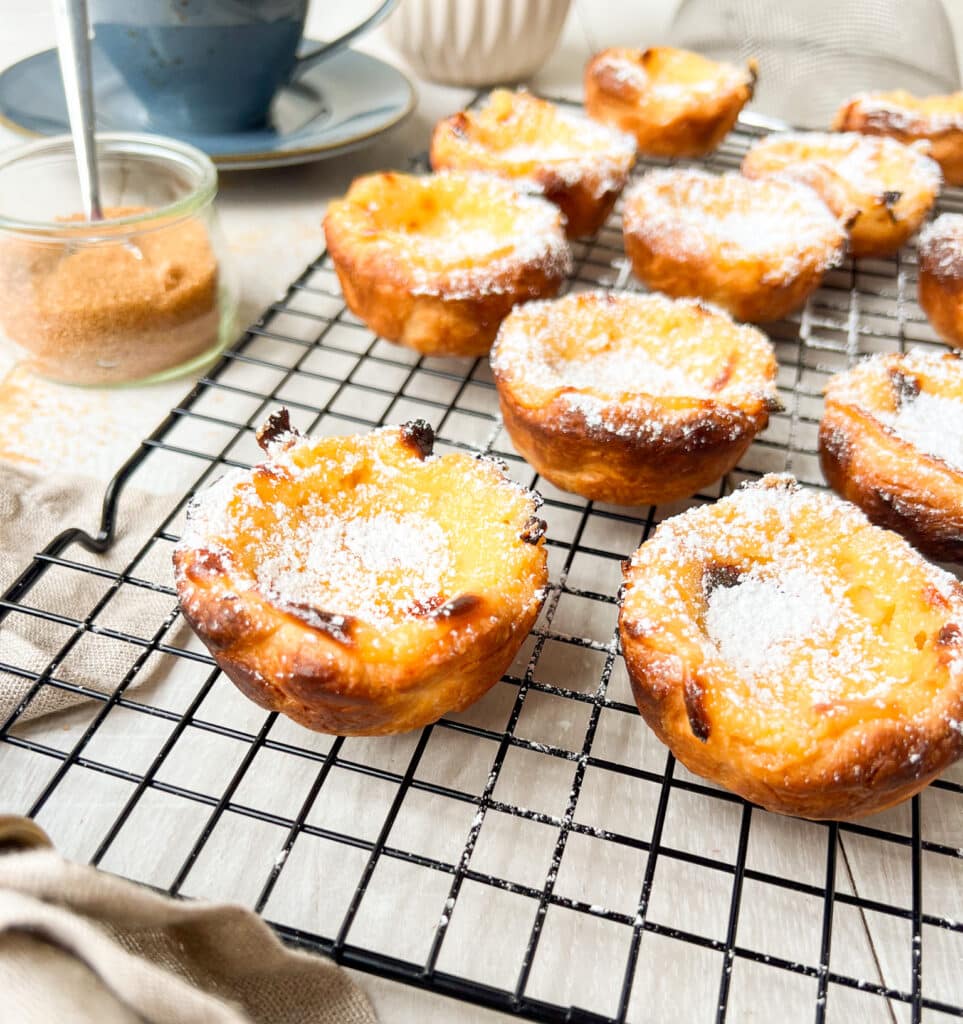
{"x":33,"y":510}
{"x":59,"y":447}
{"x":81,"y":945}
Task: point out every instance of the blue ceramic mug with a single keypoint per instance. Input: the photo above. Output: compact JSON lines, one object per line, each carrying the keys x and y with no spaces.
{"x":210,"y":65}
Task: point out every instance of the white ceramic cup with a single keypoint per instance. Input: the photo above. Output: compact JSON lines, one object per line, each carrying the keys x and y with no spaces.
{"x":476,"y":42}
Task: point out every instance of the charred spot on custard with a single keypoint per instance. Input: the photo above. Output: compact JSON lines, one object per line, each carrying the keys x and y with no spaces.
{"x":774,"y":404}
{"x":419,"y":436}
{"x":949,"y":634}
{"x":695,"y":709}
{"x":905,"y":386}
{"x":719,"y":575}
{"x":534,"y":530}
{"x":436,"y":607}
{"x":463,"y":604}
{"x":276,"y":426}
{"x":459,"y":124}
{"x":338,"y":627}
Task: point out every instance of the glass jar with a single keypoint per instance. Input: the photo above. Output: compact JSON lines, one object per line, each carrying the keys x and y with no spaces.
{"x":144,"y":294}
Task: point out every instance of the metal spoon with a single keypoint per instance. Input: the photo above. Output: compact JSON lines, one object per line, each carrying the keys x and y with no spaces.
{"x":73,"y":46}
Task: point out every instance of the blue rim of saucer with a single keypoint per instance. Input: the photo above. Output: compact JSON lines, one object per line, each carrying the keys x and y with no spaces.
{"x":334,"y":107}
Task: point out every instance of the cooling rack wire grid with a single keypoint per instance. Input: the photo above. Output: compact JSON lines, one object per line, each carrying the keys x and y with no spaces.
{"x":541,"y":852}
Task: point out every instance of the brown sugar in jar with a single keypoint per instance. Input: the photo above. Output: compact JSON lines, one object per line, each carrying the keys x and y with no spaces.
{"x":138,"y":296}
{"x":113,"y":310}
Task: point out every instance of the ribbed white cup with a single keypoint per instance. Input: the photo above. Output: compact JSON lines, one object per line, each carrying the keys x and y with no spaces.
{"x":476,"y":42}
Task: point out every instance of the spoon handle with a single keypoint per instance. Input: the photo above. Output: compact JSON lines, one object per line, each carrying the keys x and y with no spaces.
{"x":73,"y":45}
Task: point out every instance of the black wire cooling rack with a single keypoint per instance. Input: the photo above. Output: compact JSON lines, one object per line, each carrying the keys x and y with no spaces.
{"x":540,"y":853}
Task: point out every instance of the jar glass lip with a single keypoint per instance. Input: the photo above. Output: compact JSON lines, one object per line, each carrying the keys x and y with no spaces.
{"x":179,"y":154}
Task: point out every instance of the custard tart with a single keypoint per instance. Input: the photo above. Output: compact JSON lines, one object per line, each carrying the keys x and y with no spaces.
{"x":788,"y":650}
{"x":936,"y":120}
{"x":891,"y":440}
{"x":578,"y":164}
{"x":362,"y":585}
{"x":674,"y":102}
{"x":631,"y":399}
{"x":881,"y":189}
{"x":756,"y":248}
{"x":437,"y":262}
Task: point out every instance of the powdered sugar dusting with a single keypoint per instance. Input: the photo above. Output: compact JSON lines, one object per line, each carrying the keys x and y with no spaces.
{"x":900,"y":111}
{"x":867,"y":165}
{"x":757,"y":624}
{"x":794,"y":623}
{"x":941,"y":245}
{"x":596,"y":351}
{"x":934,"y":425}
{"x":674,"y":81}
{"x":696,"y":215}
{"x":524,"y":136}
{"x":917,"y":396}
{"x":376,"y":567}
{"x":358,"y":529}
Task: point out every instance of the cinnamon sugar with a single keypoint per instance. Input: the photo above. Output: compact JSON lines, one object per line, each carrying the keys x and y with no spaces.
{"x":117,"y":308}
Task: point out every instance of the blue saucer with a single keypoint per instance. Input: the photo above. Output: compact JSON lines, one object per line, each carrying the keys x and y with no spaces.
{"x":338,"y":105}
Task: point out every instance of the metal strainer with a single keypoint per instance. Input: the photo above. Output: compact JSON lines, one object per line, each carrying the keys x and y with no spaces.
{"x":813,"y":54}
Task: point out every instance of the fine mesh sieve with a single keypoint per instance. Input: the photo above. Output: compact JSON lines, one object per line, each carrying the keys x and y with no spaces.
{"x":813,"y":54}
